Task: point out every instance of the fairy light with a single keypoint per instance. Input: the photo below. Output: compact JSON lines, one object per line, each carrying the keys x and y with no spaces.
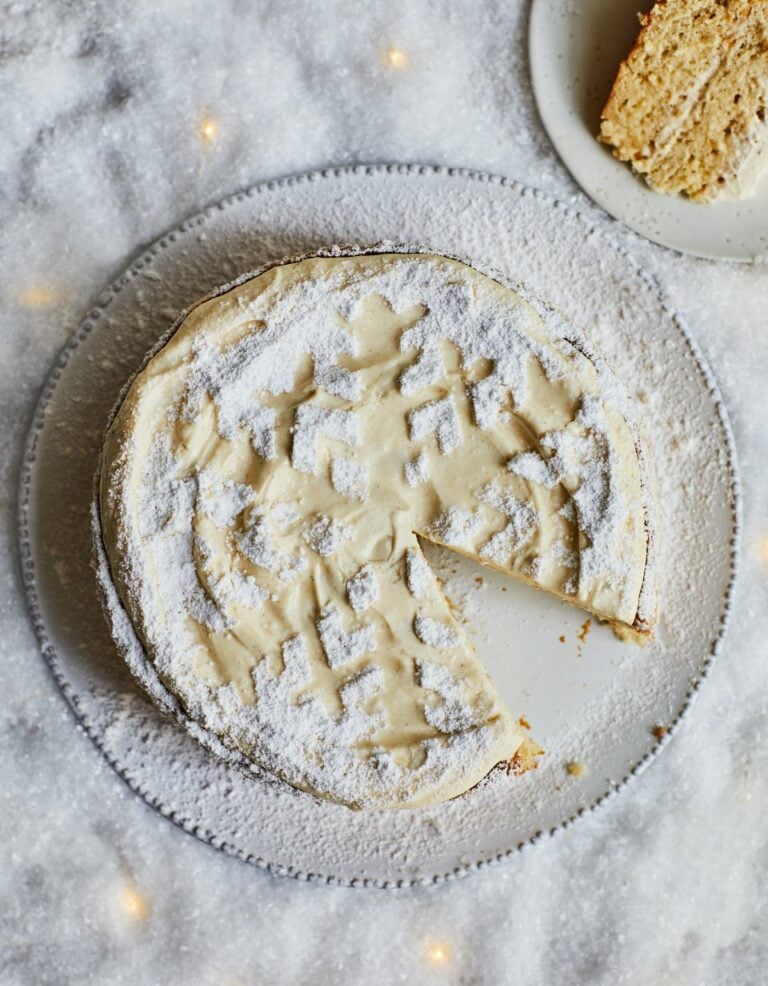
{"x":438,"y":953}
{"x":395,"y":57}
{"x":134,"y":905}
{"x":209,"y":130}
{"x":38,"y":296}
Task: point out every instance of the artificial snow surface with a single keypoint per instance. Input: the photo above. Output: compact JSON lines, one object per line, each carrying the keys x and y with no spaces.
{"x":104,"y":110}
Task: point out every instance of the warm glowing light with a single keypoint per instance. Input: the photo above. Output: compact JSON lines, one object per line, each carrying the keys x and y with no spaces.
{"x":762,"y":550}
{"x":438,"y":953}
{"x":396,"y":57}
{"x":38,"y":296}
{"x":134,"y":904}
{"x":209,"y":130}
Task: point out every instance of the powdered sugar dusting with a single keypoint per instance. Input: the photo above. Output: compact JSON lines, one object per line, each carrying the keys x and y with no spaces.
{"x":438,"y":418}
{"x":363,"y":589}
{"x":350,"y":478}
{"x":583,"y":459}
{"x":342,"y":646}
{"x":477,"y":324}
{"x":221,"y":501}
{"x":531,"y":466}
{"x":521,"y":525}
{"x":257,"y":545}
{"x":313,"y":422}
{"x":433,"y":633}
{"x":419,"y":577}
{"x":282,"y":514}
{"x":424,"y":371}
{"x":296,"y":668}
{"x":416,"y":470}
{"x":236,"y":587}
{"x":452,"y":714}
{"x":455,"y":526}
{"x":326,"y":535}
{"x":338,"y":381}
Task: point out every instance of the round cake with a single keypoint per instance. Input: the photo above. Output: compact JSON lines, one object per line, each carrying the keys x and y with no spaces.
{"x":269,"y":473}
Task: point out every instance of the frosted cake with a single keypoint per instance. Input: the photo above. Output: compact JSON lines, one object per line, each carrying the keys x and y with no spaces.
{"x":267,"y":477}
{"x":688,"y":108}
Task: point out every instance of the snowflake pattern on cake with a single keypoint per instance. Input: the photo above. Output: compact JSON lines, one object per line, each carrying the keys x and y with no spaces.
{"x":287,"y":485}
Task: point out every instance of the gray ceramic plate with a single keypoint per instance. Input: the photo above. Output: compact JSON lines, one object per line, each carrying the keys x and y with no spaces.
{"x":594,"y":700}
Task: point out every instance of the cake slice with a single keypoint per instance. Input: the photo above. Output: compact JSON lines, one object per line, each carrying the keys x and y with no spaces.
{"x":688,"y":107}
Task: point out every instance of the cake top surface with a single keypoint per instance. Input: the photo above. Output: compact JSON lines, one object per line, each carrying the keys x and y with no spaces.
{"x":266,"y":477}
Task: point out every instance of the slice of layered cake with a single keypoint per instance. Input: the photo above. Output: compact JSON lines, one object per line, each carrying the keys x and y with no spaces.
{"x":688,"y":107}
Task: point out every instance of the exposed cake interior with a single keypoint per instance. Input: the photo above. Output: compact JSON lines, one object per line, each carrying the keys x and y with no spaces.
{"x":688,"y":108}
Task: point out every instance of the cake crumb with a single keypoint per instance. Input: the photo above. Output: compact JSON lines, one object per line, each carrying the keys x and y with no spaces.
{"x":576,"y":769}
{"x":585,"y":628}
{"x":561,"y":638}
{"x":659,"y":732}
{"x":525,"y":759}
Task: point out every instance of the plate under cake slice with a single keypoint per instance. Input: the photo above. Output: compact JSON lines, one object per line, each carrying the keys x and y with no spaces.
{"x":267,"y":477}
{"x":688,"y":108}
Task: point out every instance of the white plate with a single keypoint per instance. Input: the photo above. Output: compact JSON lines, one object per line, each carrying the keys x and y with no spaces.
{"x":575,"y":51}
{"x":595,"y":701}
